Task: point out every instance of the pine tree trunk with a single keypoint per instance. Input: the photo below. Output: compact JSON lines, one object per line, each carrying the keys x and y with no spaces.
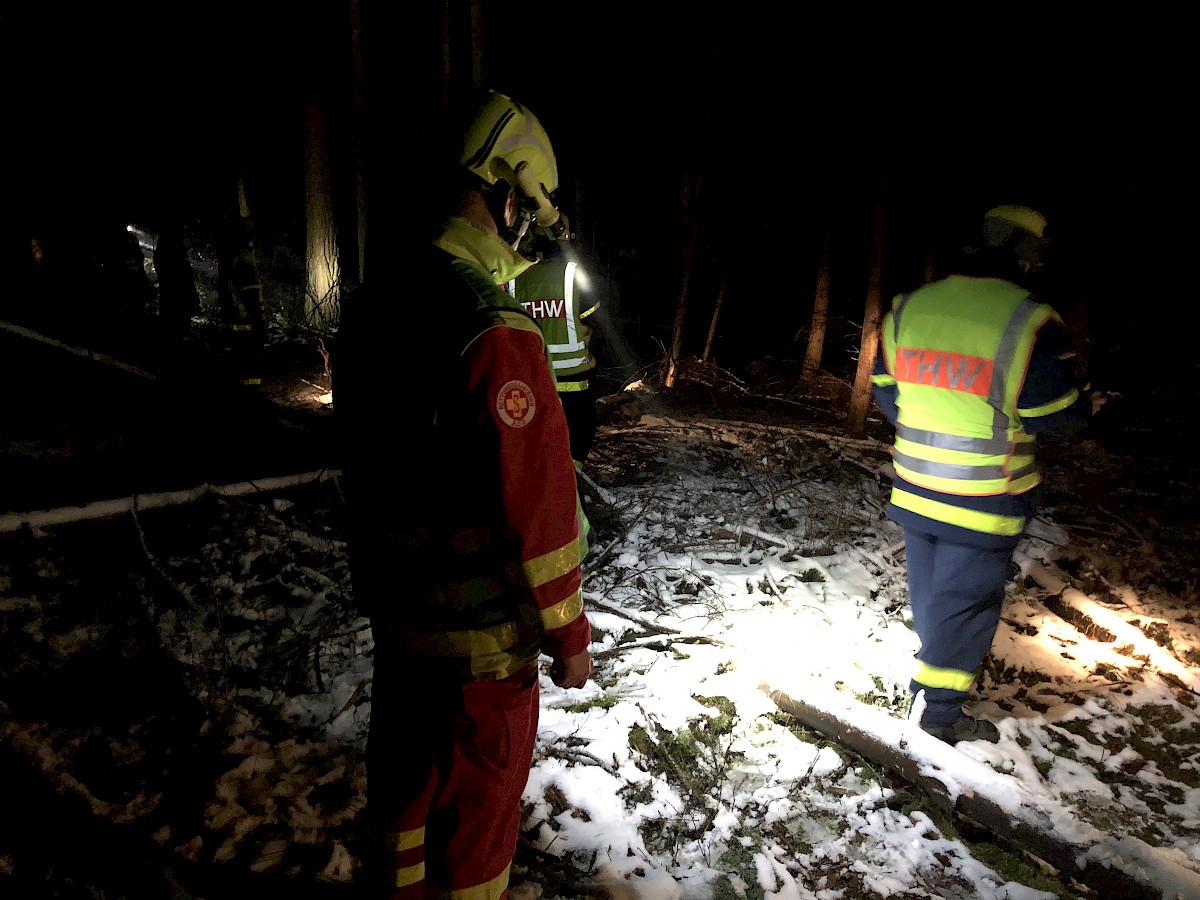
{"x":322,"y":299}
{"x":692,"y":193}
{"x":820,"y":313}
{"x":860,"y":395}
{"x":712,"y":327}
{"x":478,"y":70}
{"x":360,"y":188}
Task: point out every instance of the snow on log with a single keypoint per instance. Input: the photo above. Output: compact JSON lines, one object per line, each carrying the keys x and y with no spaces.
{"x":138,"y":502}
{"x":1125,"y":869}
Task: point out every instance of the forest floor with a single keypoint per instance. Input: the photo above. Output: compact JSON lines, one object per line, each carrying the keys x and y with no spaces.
{"x":102,"y":736}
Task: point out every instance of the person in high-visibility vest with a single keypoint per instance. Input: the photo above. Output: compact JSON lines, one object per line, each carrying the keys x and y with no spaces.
{"x":970,"y":368}
{"x":240,"y":298}
{"x":465,"y":533}
{"x":552,"y":293}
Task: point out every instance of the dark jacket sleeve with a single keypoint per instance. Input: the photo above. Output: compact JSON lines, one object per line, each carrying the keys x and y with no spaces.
{"x":1050,"y":402}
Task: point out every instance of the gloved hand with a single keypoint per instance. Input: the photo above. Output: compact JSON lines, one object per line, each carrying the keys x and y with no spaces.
{"x":573,"y":671}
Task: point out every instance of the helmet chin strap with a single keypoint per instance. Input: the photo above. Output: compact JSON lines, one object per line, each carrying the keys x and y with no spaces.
{"x":517,"y":233}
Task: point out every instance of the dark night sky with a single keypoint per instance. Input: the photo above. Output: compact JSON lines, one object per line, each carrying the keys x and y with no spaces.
{"x":792,"y":117}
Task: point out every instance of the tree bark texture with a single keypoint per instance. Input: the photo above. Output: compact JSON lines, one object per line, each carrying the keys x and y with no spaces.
{"x":712,"y":326}
{"x":322,"y":300}
{"x":692,"y":195}
{"x":860,"y":394}
{"x":820,"y":314}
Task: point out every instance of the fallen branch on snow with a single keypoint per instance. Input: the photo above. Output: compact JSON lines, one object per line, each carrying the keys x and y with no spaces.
{"x":141,"y":502}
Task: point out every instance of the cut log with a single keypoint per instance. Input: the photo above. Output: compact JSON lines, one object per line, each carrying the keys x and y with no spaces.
{"x":1112,"y":867}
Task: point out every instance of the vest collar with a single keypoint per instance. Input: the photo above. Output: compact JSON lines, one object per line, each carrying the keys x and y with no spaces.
{"x":466,"y":240}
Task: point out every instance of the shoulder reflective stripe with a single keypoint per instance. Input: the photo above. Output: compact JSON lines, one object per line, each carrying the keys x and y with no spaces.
{"x":951,"y":679}
{"x":554,"y":564}
{"x":948,"y":470}
{"x":941,"y":441}
{"x":565,"y":387}
{"x":572,"y":323}
{"x":563,"y":613}
{"x":486,"y":891}
{"x":511,"y":287}
{"x":971,"y":519}
{"x":1021,"y":318}
{"x":407,"y":840}
{"x":409,"y":875}
{"x":1052,"y":407}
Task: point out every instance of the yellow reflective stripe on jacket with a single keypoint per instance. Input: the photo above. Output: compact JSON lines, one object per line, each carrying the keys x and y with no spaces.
{"x":407,"y":840}
{"x":563,"y":613}
{"x":1054,"y":406}
{"x":952,"y":679}
{"x":554,"y":564}
{"x":410,"y":875}
{"x":489,"y":890}
{"x":973,"y":519}
{"x":565,"y":387}
{"x":495,"y":651}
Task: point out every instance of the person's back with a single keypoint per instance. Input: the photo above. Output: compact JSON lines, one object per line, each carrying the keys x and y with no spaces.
{"x":970,"y":369}
{"x":551,"y":293}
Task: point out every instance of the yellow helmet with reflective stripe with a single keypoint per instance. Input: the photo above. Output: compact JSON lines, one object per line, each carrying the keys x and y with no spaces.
{"x":1021,"y":228}
{"x":505,"y":142}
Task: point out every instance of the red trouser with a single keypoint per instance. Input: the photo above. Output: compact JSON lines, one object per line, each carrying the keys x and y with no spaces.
{"x":447,"y":764}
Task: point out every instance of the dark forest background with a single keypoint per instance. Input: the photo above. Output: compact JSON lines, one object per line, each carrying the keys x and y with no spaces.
{"x":794,"y":123}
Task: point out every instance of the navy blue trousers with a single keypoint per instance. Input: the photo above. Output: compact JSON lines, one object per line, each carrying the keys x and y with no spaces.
{"x":955,"y":591}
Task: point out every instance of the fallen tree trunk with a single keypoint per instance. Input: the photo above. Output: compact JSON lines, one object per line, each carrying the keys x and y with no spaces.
{"x":104,"y":508}
{"x":1029,"y":830}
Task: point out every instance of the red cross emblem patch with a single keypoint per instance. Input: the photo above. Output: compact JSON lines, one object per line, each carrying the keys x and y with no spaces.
{"x":515,"y":404}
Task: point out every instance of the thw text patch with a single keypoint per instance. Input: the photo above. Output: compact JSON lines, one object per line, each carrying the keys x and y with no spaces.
{"x":941,"y":368}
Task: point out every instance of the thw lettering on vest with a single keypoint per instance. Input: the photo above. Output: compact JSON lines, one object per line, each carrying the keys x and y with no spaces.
{"x":941,"y":368}
{"x":546,"y":309}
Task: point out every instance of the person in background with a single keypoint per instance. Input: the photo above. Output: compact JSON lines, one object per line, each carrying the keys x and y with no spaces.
{"x":464,"y":533}
{"x":551,"y":292}
{"x":240,"y":298}
{"x":971,"y":368}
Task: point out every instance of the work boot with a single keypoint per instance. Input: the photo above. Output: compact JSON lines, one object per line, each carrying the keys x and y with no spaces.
{"x":965,"y":729}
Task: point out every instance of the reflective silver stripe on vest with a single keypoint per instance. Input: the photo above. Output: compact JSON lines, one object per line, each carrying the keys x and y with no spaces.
{"x":573,"y":344}
{"x":999,"y":443}
{"x":991,"y":446}
{"x":1030,"y":469}
{"x":1008,"y":345}
{"x":949,"y":470}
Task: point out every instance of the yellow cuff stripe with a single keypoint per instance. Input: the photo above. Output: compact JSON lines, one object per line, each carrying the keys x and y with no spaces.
{"x":489,"y":890}
{"x":1056,"y":406}
{"x":548,"y":566}
{"x":953,"y":679}
{"x":410,"y":875}
{"x":563,"y":613}
{"x":407,"y":840}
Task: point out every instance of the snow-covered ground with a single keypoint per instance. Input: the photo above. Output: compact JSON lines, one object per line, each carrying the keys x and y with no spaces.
{"x":737,"y":570}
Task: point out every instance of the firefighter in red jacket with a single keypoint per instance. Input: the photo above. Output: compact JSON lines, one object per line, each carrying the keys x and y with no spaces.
{"x":465,"y":538}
